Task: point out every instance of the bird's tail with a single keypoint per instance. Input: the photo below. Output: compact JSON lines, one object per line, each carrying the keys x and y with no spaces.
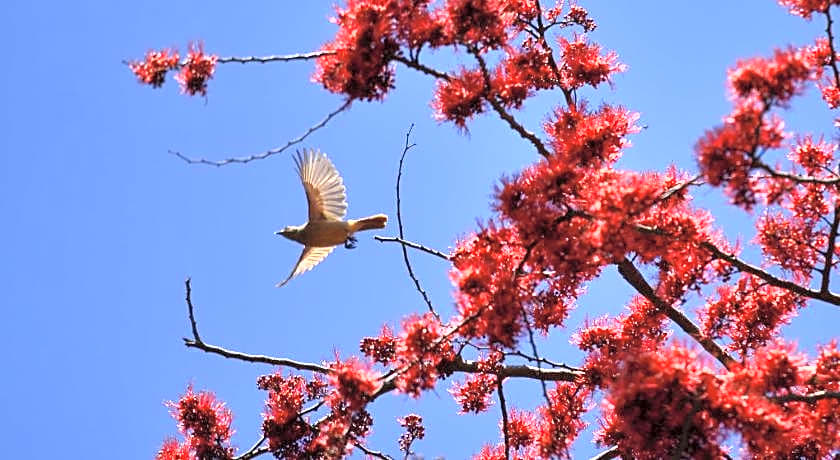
{"x":368,"y":223}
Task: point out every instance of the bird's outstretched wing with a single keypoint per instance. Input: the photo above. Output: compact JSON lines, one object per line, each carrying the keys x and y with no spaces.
{"x":310,"y":257}
{"x":324,"y":187}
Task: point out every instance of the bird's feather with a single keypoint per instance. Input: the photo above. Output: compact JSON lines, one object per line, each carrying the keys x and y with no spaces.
{"x":324,"y":187}
{"x":310,"y":257}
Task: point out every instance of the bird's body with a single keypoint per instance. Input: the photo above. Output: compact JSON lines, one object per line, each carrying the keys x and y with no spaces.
{"x":325,"y":194}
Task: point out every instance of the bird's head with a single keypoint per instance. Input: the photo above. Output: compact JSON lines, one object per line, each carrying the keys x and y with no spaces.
{"x":289,"y":231}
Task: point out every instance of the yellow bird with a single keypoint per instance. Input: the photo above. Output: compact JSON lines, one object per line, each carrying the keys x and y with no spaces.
{"x":327,"y":200}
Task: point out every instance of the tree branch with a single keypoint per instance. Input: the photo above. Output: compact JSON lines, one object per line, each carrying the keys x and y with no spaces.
{"x":419,"y":247}
{"x":503,"y":406}
{"x":808,"y":398}
{"x":267,"y":153}
{"x":275,"y":58}
{"x":608,"y":454}
{"x":632,"y":275}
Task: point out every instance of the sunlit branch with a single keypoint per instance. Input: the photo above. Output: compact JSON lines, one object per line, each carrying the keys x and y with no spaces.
{"x":411,"y":274}
{"x":267,"y":153}
{"x":808,"y":398}
{"x":632,"y":275}
{"x":419,"y":247}
{"x":275,"y":58}
{"x":608,"y":454}
{"x":254,"y":451}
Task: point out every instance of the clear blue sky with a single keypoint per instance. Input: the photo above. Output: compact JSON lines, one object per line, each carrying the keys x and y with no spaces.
{"x":100,"y":226}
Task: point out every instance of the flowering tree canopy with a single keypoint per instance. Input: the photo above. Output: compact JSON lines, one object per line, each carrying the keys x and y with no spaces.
{"x":665,"y":381}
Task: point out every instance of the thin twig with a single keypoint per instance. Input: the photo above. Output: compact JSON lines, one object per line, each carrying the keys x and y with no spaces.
{"x":419,"y":247}
{"x":411,"y":274}
{"x":372,"y":453}
{"x":267,"y":153}
{"x":193,"y":325}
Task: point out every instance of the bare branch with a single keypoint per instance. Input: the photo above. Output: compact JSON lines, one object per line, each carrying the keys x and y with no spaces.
{"x":632,"y":275}
{"x":275,"y":58}
{"x":419,"y":247}
{"x":267,"y":153}
{"x":411,"y":274}
{"x":196,"y":342}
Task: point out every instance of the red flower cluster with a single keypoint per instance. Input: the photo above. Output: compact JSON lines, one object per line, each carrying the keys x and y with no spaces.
{"x":491,"y":293}
{"x":205,"y":423}
{"x":354,"y":384}
{"x":583,"y":63}
{"x":460,"y":97}
{"x":777,"y":79}
{"x":726,"y":154}
{"x":382,"y":349}
{"x":475,"y":394}
{"x":197,"y":69}
{"x":420,"y":352}
{"x":152,"y":70}
{"x":363,"y":49}
{"x":560,"y":421}
{"x":414,"y":430}
{"x":749,"y":313}
{"x":806,"y":8}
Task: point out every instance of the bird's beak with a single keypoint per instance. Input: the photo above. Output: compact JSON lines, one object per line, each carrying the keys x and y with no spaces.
{"x":278,"y":232}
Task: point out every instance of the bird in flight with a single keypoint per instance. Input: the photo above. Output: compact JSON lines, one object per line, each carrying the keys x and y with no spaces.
{"x":327,"y":200}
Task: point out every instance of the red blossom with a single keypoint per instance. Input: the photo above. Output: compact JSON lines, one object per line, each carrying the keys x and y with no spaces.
{"x":422,"y":352}
{"x":583,"y":64}
{"x":726,"y":154}
{"x":362,"y":50}
{"x":414,"y":430}
{"x":461,"y":97}
{"x":381,"y":349}
{"x":152,"y":70}
{"x":476,"y":22}
{"x":197,"y":69}
{"x":205,"y":422}
{"x":560,"y":421}
{"x":749,"y":313}
{"x":171,"y":450}
{"x":354,"y":383}
{"x":474,"y":395}
{"x":775,"y":79}
{"x":521,"y":429}
{"x":582,"y":138}
{"x":806,"y":8}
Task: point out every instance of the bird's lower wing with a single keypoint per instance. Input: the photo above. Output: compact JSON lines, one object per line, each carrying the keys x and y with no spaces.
{"x":310,"y":257}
